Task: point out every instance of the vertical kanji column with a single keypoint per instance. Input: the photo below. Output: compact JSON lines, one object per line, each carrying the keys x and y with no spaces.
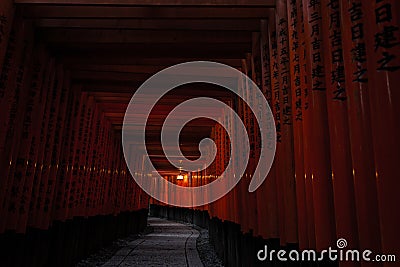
{"x":341,"y":164}
{"x":266,"y":198}
{"x":276,"y":111}
{"x":307,"y":126}
{"x":321,"y":176}
{"x":285,"y":161}
{"x":359,"y":117}
{"x":297,"y":85}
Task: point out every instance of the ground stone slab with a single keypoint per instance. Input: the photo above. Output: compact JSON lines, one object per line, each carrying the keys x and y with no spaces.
{"x":170,"y":244}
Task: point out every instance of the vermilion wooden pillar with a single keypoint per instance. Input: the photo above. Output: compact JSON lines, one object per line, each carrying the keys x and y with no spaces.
{"x":39,"y":163}
{"x":88,"y":139}
{"x":32,"y":121}
{"x":244,"y":196}
{"x":266,"y":197}
{"x":297,"y":84}
{"x":103,"y":150}
{"x":382,"y":40}
{"x":256,"y":70}
{"x":307,"y":126}
{"x":286,"y":171}
{"x":93,"y":159}
{"x":75,"y":160}
{"x":39,"y":80}
{"x":115,"y":176}
{"x":85,"y":171}
{"x":7,"y":94}
{"x":341,"y":164}
{"x":102,"y":156}
{"x":106,"y":180}
{"x":18,"y":108}
{"x":55,"y":94}
{"x":319,"y":134}
{"x":68,"y":196}
{"x":219,"y":212}
{"x":62,"y":183}
{"x":103,"y":153}
{"x":358,"y":107}
{"x":236,"y":157}
{"x":250,"y":124}
{"x":59,"y":134}
{"x":83,"y":159}
{"x":113,"y":172}
{"x":108,"y":176}
{"x":276,"y":110}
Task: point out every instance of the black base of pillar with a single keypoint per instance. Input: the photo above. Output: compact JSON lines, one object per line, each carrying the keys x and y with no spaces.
{"x":66,"y":243}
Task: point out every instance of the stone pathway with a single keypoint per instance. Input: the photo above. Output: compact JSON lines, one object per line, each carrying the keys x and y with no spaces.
{"x":170,"y":244}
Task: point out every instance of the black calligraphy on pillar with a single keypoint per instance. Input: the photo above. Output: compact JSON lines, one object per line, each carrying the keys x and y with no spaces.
{"x":335,"y":38}
{"x":317,"y":71}
{"x":266,"y":70}
{"x":284,"y":71}
{"x":358,"y":51}
{"x":275,"y":86}
{"x":296,"y":65}
{"x":303,"y":55}
{"x":387,"y":39}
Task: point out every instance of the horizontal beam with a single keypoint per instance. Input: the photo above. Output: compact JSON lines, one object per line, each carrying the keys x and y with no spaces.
{"x":40,"y":11}
{"x":108,"y":36}
{"x":108,"y":76}
{"x":117,"y":68}
{"x":91,"y":58}
{"x":186,"y":92}
{"x":83,"y":75}
{"x":269,"y":3}
{"x":125,"y":54}
{"x":154,"y":24}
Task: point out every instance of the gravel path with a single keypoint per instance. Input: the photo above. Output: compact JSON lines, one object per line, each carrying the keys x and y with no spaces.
{"x":164,"y":243}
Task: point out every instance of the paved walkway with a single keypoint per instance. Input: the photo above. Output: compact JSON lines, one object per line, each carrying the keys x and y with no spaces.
{"x":171,"y":244}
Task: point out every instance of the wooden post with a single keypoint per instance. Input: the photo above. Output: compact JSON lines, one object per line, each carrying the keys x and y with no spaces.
{"x":319,"y":132}
{"x":54,"y":107}
{"x":382,"y":39}
{"x":267,"y":195}
{"x":285,"y":152}
{"x":297,"y":83}
{"x":340,"y":154}
{"x":60,"y":132}
{"x":19,"y":106}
